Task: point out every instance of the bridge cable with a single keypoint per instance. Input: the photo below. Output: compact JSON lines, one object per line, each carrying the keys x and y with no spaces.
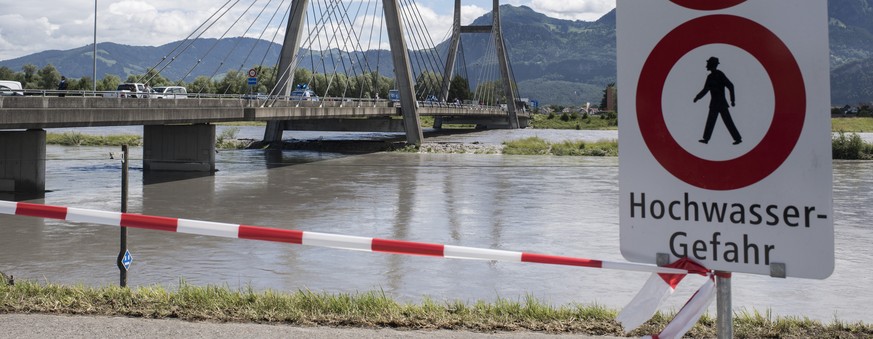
{"x":236,"y":45}
{"x":198,"y":37}
{"x":428,"y":46}
{"x":183,"y":42}
{"x":260,"y":38}
{"x":217,"y":41}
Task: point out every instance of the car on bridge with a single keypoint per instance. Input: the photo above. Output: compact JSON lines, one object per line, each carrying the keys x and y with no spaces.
{"x":130,"y":90}
{"x":302,"y":92}
{"x":169,"y":92}
{"x":8,"y":87}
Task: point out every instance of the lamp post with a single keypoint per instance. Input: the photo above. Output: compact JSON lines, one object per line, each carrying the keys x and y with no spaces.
{"x":95,"y":46}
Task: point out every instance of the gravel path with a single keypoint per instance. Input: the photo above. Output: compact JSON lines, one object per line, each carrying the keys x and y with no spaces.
{"x":22,"y":326}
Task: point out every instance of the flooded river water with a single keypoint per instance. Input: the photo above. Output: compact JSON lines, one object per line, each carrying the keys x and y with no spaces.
{"x":553,"y":205}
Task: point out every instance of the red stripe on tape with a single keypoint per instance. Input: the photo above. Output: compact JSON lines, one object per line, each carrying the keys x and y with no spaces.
{"x":270,"y":234}
{"x":149,"y":222}
{"x":407,"y":247}
{"x":42,"y":211}
{"x":559,"y":260}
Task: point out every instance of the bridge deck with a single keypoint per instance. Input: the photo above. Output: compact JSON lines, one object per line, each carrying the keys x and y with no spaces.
{"x":23,"y":112}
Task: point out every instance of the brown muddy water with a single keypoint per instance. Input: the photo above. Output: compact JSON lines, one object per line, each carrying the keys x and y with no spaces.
{"x":553,"y":205}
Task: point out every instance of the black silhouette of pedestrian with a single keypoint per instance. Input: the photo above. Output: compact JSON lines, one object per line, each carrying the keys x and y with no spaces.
{"x":716,"y":82}
{"x":62,"y":86}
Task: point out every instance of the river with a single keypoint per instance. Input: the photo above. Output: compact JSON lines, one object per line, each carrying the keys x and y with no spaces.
{"x":553,"y":205}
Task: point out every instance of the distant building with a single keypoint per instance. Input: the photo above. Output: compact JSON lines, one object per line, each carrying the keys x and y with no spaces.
{"x":611,"y":104}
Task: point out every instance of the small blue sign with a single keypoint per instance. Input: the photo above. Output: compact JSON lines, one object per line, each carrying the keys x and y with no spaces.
{"x":126,"y":260}
{"x":253,"y":81}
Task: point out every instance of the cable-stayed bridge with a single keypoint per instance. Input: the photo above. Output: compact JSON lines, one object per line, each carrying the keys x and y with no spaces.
{"x":324,"y":79}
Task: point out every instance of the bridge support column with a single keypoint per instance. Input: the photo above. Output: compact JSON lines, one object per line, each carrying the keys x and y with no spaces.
{"x":22,"y":162}
{"x":403,"y":72}
{"x":189,"y":148}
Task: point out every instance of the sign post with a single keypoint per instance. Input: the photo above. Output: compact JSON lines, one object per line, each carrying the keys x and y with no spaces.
{"x":725,"y":136}
{"x":124,"y":258}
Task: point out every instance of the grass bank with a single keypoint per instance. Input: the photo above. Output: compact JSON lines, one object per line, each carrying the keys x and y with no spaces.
{"x":79,"y":139}
{"x":538,"y":146}
{"x":574,"y":121}
{"x":227,"y":139}
{"x":375,"y":310}
{"x":849,"y":125}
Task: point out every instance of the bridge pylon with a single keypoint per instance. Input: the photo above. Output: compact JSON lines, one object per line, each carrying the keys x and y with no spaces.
{"x":400,"y":58}
{"x":502,"y":57}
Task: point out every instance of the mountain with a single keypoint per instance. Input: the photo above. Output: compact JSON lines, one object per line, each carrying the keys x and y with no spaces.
{"x":556,"y":61}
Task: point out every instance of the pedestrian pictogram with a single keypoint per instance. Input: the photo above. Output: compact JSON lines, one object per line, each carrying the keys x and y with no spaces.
{"x":716,"y":84}
{"x":725,"y":138}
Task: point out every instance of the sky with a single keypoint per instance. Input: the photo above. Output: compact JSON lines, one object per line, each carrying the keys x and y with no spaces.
{"x":32,"y":26}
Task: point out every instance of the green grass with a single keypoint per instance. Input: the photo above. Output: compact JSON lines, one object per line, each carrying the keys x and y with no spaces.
{"x":851,"y":147}
{"x":225,"y":140}
{"x":376,"y":310}
{"x":857,"y":125}
{"x":537,"y":146}
{"x":574,"y":121}
{"x":79,"y":139}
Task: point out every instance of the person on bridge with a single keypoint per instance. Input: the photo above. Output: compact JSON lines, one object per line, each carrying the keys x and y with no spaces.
{"x":716,"y":82}
{"x":62,"y":86}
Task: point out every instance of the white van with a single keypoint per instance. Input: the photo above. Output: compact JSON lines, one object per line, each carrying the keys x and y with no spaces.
{"x":8,"y":87}
{"x":170,"y":92}
{"x":129,"y":90}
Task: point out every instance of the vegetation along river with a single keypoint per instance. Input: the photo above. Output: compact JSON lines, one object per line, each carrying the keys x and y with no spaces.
{"x":544,"y":204}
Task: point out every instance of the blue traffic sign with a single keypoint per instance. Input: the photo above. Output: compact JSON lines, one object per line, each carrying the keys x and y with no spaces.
{"x":253,"y":81}
{"x":126,"y":260}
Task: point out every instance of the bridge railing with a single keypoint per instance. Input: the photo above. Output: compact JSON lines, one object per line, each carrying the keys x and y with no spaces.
{"x":255,"y":99}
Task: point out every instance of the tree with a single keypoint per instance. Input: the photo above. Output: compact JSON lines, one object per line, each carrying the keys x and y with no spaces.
{"x":459,"y":89}
{"x":234,"y":82}
{"x":83,"y":84}
{"x":49,"y":77}
{"x":108,"y":83}
{"x":427,"y":84}
{"x":30,"y":79}
{"x":6,"y":73}
{"x":202,"y":84}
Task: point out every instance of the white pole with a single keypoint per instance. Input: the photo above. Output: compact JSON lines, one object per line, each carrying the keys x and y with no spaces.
{"x":95,"y":46}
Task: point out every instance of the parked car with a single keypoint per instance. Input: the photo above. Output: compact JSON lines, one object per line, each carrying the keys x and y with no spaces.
{"x":8,"y":87}
{"x":302,"y":92}
{"x":130,"y":90}
{"x":170,"y":92}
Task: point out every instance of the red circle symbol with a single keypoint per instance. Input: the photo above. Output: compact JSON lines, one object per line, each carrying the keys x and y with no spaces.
{"x":789,"y":96}
{"x":253,"y":73}
{"x":709,"y":5}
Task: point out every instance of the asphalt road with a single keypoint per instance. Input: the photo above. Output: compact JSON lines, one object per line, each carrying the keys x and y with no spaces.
{"x":21,"y":326}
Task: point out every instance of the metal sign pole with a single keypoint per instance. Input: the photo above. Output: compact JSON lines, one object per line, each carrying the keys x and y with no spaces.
{"x":123,"y":250}
{"x":724,"y":308}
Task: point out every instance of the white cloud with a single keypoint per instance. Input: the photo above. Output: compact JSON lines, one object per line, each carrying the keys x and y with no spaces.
{"x":32,"y":26}
{"x":588,"y":10}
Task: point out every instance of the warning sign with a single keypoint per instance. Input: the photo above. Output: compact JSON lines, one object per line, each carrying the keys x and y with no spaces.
{"x":725,"y":152}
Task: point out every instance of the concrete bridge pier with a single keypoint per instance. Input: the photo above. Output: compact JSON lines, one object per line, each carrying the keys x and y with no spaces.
{"x":22,"y":162}
{"x":187,"y":148}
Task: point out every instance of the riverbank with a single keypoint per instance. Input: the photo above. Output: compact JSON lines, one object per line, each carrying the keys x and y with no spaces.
{"x":374,"y":310}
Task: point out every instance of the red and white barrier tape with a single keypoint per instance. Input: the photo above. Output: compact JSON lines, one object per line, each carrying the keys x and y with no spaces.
{"x":216,"y":229}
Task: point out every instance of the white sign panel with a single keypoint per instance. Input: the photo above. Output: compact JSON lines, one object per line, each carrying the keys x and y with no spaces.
{"x":725,"y":141}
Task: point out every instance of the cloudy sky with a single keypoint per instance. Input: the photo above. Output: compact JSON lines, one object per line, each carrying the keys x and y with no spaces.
{"x":36,"y":25}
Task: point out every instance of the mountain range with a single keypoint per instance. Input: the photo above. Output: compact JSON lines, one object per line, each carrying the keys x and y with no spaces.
{"x":555,"y":61}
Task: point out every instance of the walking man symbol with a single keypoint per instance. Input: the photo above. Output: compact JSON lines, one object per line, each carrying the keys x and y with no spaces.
{"x":716,"y":82}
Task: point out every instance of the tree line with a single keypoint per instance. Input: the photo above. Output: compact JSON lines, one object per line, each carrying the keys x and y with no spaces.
{"x":365,"y":85}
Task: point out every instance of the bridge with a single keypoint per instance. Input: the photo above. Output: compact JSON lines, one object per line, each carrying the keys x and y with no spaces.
{"x":179,"y":134}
